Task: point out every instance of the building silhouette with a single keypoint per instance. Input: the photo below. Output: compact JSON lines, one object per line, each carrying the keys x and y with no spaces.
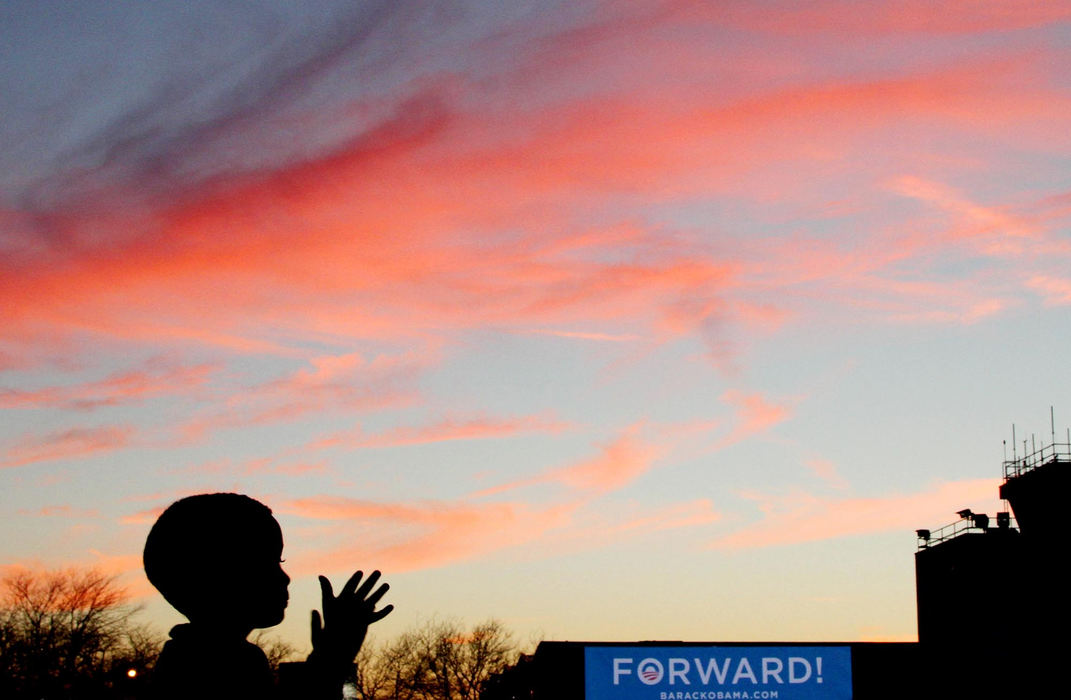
{"x":992,"y":599}
{"x":992,"y":592}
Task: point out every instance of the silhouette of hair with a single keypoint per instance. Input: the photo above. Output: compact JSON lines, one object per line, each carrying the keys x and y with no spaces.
{"x":199,"y":540}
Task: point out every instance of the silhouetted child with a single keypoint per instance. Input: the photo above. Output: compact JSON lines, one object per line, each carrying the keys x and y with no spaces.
{"x":217,"y":559}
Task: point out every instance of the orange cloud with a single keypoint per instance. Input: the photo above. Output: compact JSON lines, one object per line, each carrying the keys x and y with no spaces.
{"x":120,"y":564}
{"x":584,"y":335}
{"x":445,"y":430}
{"x":805,"y":518}
{"x":265,"y":466}
{"x":143,"y":517}
{"x":126,"y":567}
{"x":433,"y":534}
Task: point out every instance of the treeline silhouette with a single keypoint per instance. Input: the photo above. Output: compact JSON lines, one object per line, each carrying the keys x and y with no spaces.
{"x":439,"y":660}
{"x":73,"y":634}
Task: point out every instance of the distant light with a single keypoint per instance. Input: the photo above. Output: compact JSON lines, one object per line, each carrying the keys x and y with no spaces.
{"x":965,"y":513}
{"x":923,"y":534}
{"x":132,"y":673}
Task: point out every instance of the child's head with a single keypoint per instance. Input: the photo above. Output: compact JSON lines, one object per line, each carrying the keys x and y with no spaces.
{"x":216,"y":558}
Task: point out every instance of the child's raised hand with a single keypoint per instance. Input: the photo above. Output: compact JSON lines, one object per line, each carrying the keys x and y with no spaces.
{"x":338,"y":637}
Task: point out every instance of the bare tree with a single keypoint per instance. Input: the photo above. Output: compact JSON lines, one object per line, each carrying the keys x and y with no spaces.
{"x":275,"y":648}
{"x":140,"y":647}
{"x":64,"y":631}
{"x":439,"y":660}
{"x":377,"y":674}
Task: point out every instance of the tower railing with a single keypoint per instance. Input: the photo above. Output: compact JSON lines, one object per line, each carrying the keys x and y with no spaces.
{"x":1056,"y":452}
{"x":929,"y":538}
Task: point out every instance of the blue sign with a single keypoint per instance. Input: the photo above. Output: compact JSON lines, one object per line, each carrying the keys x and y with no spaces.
{"x":717,"y":673}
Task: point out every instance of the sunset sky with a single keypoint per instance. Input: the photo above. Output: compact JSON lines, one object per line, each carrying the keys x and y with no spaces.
{"x":613,"y":320}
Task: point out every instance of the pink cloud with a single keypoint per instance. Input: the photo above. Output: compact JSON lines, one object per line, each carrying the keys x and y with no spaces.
{"x":1055,"y":290}
{"x":826,"y":470}
{"x":74,"y":443}
{"x":619,"y":462}
{"x":887,"y":279}
{"x":802,"y":517}
{"x":263,"y":465}
{"x":908,"y":17}
{"x":977,"y":311}
{"x":345,"y":383}
{"x":122,"y":387}
{"x":378,"y":235}
{"x":754,"y":414}
{"x":536,"y":200}
{"x":992,"y":230}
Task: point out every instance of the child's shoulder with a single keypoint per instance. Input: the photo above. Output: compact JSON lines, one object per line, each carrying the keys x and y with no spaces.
{"x":198,"y":663}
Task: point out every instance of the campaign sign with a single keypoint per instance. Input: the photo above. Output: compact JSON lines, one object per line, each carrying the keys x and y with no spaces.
{"x":717,"y":673}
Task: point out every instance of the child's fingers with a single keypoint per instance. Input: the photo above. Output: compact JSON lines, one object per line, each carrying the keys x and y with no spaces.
{"x":380,"y":592}
{"x":326,"y":592}
{"x":380,"y":614}
{"x":317,"y":626}
{"x":362,"y":592}
{"x":351,"y":585}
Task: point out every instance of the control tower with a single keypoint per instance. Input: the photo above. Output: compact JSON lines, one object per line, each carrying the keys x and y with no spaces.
{"x":993,"y":595}
{"x":1038,"y":486}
